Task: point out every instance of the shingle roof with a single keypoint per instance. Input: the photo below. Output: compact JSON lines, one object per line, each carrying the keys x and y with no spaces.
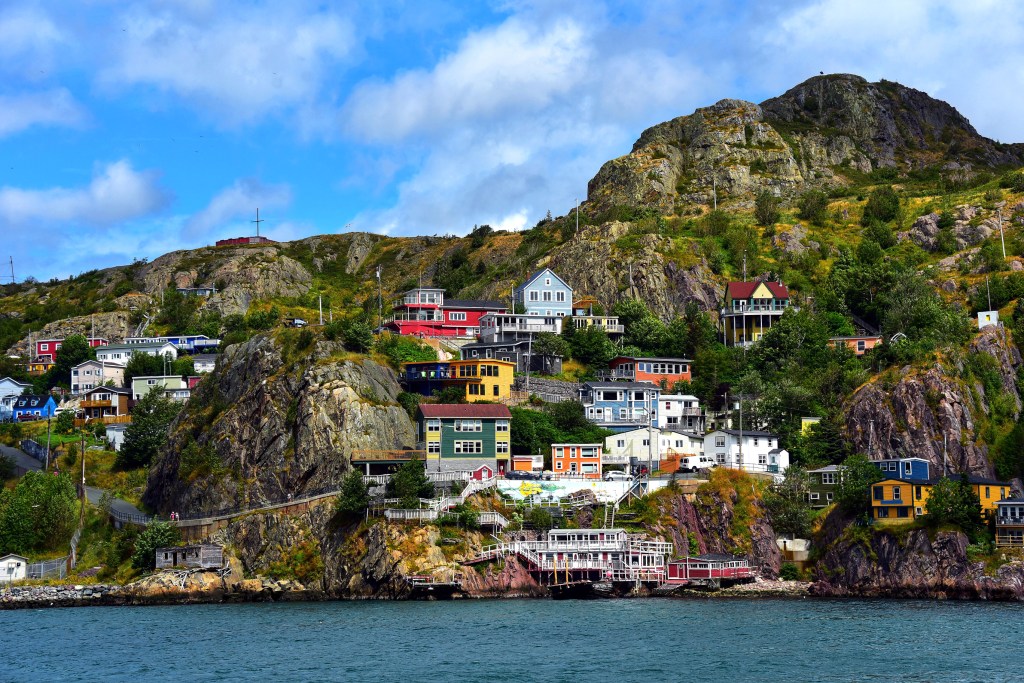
{"x":743,"y":290}
{"x":468,"y":410}
{"x":31,"y":401}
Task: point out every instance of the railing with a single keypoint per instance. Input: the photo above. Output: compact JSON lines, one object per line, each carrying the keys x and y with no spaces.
{"x":130,"y":517}
{"x":96,"y":404}
{"x":369,"y":455}
{"x":493,"y":519}
{"x":1009,"y":541}
{"x":106,"y":419}
{"x":406,"y":515}
{"x":1010,"y":521}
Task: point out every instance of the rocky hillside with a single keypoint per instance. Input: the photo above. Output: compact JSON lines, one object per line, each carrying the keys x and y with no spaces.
{"x":823,"y":131}
{"x":265,"y":425}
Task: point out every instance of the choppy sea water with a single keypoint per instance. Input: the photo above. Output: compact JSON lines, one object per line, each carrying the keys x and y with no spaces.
{"x":519,"y":641}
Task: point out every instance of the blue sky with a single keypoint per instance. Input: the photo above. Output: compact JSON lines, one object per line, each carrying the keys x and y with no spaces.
{"x":129,"y":130}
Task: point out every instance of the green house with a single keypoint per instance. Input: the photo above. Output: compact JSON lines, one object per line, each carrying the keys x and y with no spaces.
{"x":822,"y":485}
{"x":465,"y":437}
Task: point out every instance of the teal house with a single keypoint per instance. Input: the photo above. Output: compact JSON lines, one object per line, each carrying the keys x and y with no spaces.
{"x":465,"y":437}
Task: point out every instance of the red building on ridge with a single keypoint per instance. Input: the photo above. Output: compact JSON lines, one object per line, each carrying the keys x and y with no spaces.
{"x":424,"y":312}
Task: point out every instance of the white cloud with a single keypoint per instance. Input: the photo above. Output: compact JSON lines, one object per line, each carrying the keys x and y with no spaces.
{"x":240,"y":64}
{"x":493,"y":74}
{"x":117,"y":193}
{"x":241,"y":199}
{"x":50,"y":108}
{"x":28,"y":40}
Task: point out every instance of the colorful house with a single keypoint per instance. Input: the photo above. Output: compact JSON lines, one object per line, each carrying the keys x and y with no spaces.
{"x":822,"y":485}
{"x":38,"y":366}
{"x":1010,"y":523}
{"x":544,"y":294}
{"x":106,"y":402}
{"x":10,"y":389}
{"x":521,"y":353}
{"x":174,"y":387}
{"x":480,"y":380}
{"x":32,"y":407}
{"x":577,"y":459}
{"x":47,"y":348}
{"x":424,"y":312}
{"x":750,"y":309}
{"x":859,"y":344}
{"x":916,"y":469}
{"x":682,"y":411}
{"x":583,"y":316}
{"x":189,"y":343}
{"x":465,"y":437}
{"x":122,"y":353}
{"x":496,"y":327}
{"x":901,"y":500}
{"x":621,"y":406}
{"x":661,"y":371}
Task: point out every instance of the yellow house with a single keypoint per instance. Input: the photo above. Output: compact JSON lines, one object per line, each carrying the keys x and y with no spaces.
{"x":482,"y":379}
{"x":750,"y":309}
{"x":895,"y":501}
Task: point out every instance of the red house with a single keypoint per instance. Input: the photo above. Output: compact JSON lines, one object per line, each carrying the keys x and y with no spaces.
{"x":46,"y":349}
{"x":654,"y":370}
{"x":424,"y":312}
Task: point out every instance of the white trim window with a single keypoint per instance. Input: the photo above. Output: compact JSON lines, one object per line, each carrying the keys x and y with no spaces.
{"x":501,"y":425}
{"x":501,"y":447}
{"x":433,"y":425}
{"x":433,"y":447}
{"x":468,"y":425}
{"x":457,"y":316}
{"x":469,"y":447}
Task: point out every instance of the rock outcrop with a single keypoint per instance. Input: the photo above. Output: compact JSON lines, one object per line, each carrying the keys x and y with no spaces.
{"x":263,"y":426}
{"x":965,"y":230}
{"x":912,"y":415}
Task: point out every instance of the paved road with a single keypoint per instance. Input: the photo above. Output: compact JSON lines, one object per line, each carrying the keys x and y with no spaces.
{"x":94,"y":494}
{"x":21,"y":458}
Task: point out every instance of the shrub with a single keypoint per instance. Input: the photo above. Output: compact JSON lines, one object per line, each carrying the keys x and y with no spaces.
{"x":789,"y":572}
{"x":813,"y":206}
{"x":880,"y":233}
{"x":766,"y":209}
{"x":883,"y":205}
{"x":539,"y":519}
{"x":156,"y":535}
{"x":354,"y":497}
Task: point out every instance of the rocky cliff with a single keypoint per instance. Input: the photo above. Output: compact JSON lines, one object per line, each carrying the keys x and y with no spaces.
{"x":273,"y":420}
{"x":815,"y":133}
{"x":910,"y":415}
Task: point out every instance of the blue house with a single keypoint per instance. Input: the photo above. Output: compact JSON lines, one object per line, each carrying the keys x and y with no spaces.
{"x":30,"y":407}
{"x":913,"y":469}
{"x":621,"y":406}
{"x":546,"y":294}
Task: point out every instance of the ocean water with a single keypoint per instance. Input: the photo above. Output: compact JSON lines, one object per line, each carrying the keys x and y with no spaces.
{"x":519,"y":641}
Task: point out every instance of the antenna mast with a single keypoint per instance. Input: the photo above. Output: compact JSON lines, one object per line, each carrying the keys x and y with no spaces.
{"x":258,"y":221}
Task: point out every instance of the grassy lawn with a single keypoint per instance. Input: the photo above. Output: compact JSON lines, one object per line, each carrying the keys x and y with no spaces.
{"x":125,"y":484}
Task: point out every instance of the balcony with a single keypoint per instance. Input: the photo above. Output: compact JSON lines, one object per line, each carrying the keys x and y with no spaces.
{"x":1010,"y":521}
{"x":741,"y":308}
{"x":96,"y":404}
{"x":420,"y":317}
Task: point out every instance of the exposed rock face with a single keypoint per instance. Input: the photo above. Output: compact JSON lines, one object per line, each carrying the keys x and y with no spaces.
{"x":911,"y":417}
{"x":794,"y":240}
{"x":591,"y":263}
{"x":276,"y":428}
{"x":114,"y":326}
{"x":912,"y":565}
{"x":925,"y":230}
{"x":890,"y":122}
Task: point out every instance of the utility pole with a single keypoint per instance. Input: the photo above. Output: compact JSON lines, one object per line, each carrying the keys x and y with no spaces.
{"x":999,"y":220}
{"x":578,"y":218}
{"x":380,"y":300}
{"x":320,"y":306}
{"x":258,"y":221}
{"x":83,"y":465}
{"x":46,"y":468}
{"x":714,"y":189}
{"x":988,"y":289}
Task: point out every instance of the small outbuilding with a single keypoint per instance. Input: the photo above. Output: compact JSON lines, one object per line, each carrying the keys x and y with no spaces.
{"x":13,"y":568}
{"x":204,"y":556}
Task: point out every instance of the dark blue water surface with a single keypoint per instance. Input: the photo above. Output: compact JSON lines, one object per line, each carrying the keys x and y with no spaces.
{"x":519,"y":641}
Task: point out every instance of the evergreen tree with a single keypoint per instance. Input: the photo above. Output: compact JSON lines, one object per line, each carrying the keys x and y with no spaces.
{"x":410,"y":483}
{"x":354,"y":497}
{"x":156,"y":535}
{"x":853,"y":491}
{"x":953,"y":501}
{"x":147,"y":434}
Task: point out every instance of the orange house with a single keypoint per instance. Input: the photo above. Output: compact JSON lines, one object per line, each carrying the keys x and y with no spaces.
{"x":654,"y":370}
{"x":579,"y":459}
{"x":859,"y":345}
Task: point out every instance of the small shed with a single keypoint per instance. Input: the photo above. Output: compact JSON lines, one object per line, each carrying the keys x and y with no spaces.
{"x":204,"y":556}
{"x":13,"y":568}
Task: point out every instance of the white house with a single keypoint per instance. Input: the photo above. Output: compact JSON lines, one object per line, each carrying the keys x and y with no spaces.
{"x":122,"y":353}
{"x":681,"y":411}
{"x":10,"y":389}
{"x":13,"y":568}
{"x":204,"y":362}
{"x":115,"y":435}
{"x":94,"y":373}
{"x":636,"y":443}
{"x":754,"y":452}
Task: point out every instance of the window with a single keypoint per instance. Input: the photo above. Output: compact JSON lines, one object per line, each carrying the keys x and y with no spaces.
{"x":534,"y":296}
{"x":547,"y":296}
{"x":828,"y":478}
{"x":860,"y":346}
{"x":475,"y":390}
{"x":814,"y":496}
{"x":572,"y":467}
{"x":721,"y":458}
{"x":469,"y":447}
{"x":883,"y":513}
{"x":755,"y":441}
{"x":647,"y":442}
{"x":877,"y":492}
{"x":501,"y":447}
{"x":762,"y":459}
{"x":902,"y":512}
{"x":560,"y":296}
{"x":501,"y":425}
{"x":547,"y":282}
{"x":719,"y":442}
{"x":456,"y":316}
{"x":468,"y":425}
{"x":621,"y":443}
{"x":496,"y":391}
{"x":433,"y":425}
{"x":433,"y":447}
{"x":897,"y":493}
{"x":608,"y":395}
{"x":828,"y":496}
{"x":988,"y":492}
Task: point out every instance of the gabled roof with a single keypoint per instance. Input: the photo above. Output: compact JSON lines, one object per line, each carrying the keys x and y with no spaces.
{"x":646,"y":359}
{"x":465,"y":410}
{"x":32,"y":401}
{"x":744,"y":290}
{"x":540,"y":272}
{"x":829,"y":468}
{"x":14,"y":381}
{"x":622,"y":385}
{"x":110,"y":390}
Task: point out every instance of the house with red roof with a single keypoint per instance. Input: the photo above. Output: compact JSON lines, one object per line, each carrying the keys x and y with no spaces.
{"x":750,"y":309}
{"x":465,"y":437}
